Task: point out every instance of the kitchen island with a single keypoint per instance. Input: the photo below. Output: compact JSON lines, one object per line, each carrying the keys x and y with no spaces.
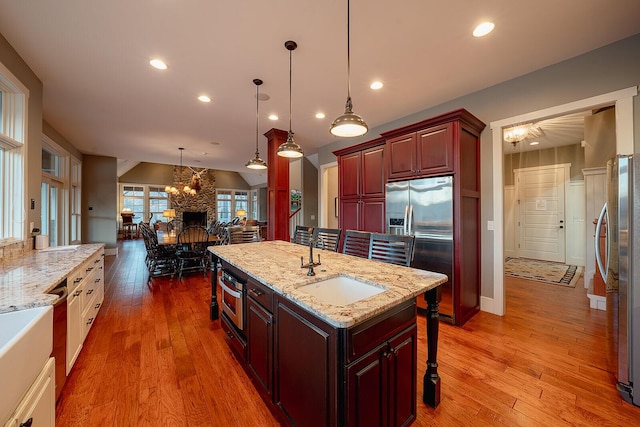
{"x":318,"y":362}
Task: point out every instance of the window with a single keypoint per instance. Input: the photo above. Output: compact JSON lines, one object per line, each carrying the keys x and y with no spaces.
{"x":54,"y":191}
{"x":76,"y":201}
{"x":228,"y":202}
{"x":13,"y":122}
{"x":145,"y":201}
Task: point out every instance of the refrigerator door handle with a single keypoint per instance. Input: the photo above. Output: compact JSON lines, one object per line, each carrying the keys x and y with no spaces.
{"x":410,"y":219}
{"x":405,"y":224}
{"x":603,"y":268}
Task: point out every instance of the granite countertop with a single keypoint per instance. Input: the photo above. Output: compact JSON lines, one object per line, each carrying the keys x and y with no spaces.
{"x":25,"y":281}
{"x":276,"y":264}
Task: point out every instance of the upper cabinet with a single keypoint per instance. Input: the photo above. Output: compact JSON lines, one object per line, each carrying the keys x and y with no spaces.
{"x":429,"y":147}
{"x":362,"y":179}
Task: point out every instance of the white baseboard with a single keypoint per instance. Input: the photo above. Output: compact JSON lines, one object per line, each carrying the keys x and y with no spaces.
{"x":598,"y":302}
{"x":111,"y":251}
{"x":488,"y":304}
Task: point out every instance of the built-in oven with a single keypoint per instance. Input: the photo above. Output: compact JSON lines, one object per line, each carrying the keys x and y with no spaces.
{"x":232,"y":298}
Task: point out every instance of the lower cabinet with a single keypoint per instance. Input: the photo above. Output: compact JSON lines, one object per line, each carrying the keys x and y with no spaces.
{"x":381,"y":385}
{"x":86,"y":294}
{"x":320,"y":375}
{"x":260,"y":344}
{"x":37,"y":408}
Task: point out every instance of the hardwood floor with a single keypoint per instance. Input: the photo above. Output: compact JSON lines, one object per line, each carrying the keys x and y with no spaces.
{"x":154,"y":358}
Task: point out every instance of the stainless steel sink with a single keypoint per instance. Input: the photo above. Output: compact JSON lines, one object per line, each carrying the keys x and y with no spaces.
{"x":26,"y":340}
{"x":341,"y":290}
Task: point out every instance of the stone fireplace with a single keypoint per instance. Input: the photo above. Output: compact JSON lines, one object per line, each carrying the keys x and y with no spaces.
{"x":203,"y":204}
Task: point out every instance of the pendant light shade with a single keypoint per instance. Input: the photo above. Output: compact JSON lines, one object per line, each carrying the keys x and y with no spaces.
{"x":257,"y":163}
{"x":289,"y":148}
{"x":349,"y":124}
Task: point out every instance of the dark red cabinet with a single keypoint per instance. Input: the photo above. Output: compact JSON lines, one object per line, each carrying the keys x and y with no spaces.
{"x":425,"y":152}
{"x":362,"y":179}
{"x":448,"y":144}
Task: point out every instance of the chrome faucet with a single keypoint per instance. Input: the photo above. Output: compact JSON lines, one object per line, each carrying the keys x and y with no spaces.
{"x":312,"y":264}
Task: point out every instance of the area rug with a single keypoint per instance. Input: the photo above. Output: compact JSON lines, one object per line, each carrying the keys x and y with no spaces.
{"x":543,"y":271}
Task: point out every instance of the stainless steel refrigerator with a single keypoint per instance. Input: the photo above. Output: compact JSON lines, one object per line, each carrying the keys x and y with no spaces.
{"x":621,"y":262}
{"x":424,"y":208}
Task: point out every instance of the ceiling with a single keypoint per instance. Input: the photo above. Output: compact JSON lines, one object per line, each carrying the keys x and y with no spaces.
{"x":102,"y":95}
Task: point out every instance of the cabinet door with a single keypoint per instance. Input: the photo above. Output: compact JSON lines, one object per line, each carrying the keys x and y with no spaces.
{"x":349,"y":214}
{"x":435,"y":149}
{"x":373,"y":215}
{"x":373,"y":172}
{"x":305,"y":366}
{"x":402,"y":359}
{"x":260,"y":344}
{"x":75,"y":330}
{"x":38,"y":404}
{"x":402,"y":156}
{"x":366,"y":391}
{"x":350,"y":175}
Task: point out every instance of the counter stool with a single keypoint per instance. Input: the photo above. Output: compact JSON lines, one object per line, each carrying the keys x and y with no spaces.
{"x":129,"y":228}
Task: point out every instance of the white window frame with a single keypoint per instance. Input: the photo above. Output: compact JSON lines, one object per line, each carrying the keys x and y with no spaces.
{"x":251,"y":201}
{"x":75,"y":202}
{"x":13,"y":138}
{"x":62,"y":181}
{"x":146,"y":198}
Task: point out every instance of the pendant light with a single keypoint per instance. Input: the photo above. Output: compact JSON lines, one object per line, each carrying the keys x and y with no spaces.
{"x":289,"y":148}
{"x":257,"y":162}
{"x":349,"y":124}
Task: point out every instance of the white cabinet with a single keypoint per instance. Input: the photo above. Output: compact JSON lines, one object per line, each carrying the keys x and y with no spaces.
{"x":37,"y":408}
{"x":86,"y":293}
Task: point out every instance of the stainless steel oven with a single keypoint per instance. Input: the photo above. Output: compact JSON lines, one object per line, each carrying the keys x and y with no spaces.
{"x":233,"y":298}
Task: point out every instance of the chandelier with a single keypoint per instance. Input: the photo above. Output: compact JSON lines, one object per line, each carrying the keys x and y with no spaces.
{"x":516,"y":134}
{"x":180,"y":193}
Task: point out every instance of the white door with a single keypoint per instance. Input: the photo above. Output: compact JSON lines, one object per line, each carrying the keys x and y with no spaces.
{"x":541,"y":220}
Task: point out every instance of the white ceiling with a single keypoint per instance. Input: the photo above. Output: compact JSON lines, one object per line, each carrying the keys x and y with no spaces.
{"x":102,"y":95}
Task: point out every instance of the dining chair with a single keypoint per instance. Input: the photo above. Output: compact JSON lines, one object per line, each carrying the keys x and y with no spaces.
{"x":356,"y":243}
{"x":391,"y":248}
{"x":243,"y":234}
{"x":302,"y":235}
{"x":129,"y":228}
{"x":160,"y":260}
{"x":327,"y":238}
{"x":191,"y":249}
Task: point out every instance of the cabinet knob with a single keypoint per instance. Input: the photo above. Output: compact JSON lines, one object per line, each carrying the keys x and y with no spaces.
{"x":27,"y":423}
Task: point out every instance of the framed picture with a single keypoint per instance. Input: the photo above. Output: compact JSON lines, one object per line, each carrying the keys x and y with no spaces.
{"x":335,"y":207}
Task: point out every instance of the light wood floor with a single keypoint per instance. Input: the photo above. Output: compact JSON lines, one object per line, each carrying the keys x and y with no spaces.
{"x":153,"y":358}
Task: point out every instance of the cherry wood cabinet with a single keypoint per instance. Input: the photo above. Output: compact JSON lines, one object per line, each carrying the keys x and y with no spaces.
{"x":425,"y":152}
{"x":362,"y":179}
{"x":448,"y":144}
{"x":260,"y":334}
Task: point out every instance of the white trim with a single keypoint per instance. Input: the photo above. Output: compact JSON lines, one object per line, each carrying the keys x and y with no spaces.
{"x":623,"y":100}
{"x":323,"y":191}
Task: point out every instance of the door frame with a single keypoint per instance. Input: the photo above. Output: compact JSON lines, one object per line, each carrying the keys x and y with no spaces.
{"x":623,"y":101}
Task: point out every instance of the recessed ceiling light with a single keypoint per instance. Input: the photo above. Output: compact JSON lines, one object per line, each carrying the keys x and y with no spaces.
{"x":320,"y":116}
{"x":157,"y":63}
{"x":534,"y":143}
{"x":204,"y":98}
{"x":273,"y":117}
{"x":376,"y":85}
{"x":483,"y":29}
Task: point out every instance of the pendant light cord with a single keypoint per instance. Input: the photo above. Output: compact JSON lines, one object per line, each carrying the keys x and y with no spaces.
{"x":290,"y":91}
{"x":257,"y":117}
{"x":348,"y":49}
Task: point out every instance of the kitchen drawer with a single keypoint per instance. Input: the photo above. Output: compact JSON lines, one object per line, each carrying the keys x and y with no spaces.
{"x":234,"y":340}
{"x":92,"y":283}
{"x":261,"y":294}
{"x":91,"y":313}
{"x":367,"y":335}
